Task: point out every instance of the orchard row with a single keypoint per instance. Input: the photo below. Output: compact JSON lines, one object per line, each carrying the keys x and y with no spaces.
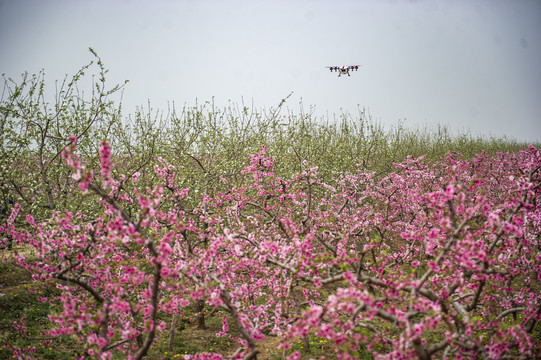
{"x":438,"y":260}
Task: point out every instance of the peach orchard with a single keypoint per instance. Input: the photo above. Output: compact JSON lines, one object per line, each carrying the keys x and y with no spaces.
{"x":433,"y":260}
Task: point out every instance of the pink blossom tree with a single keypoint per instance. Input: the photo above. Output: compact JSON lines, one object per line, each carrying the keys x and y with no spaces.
{"x":430,"y":260}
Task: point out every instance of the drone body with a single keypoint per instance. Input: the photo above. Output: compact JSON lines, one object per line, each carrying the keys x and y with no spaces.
{"x":344,"y":69}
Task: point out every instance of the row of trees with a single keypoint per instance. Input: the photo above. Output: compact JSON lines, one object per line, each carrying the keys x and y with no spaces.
{"x":319,"y":233}
{"x":440,"y":259}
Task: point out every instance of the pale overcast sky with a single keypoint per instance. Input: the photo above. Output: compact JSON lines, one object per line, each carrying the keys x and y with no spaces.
{"x":472,"y":65}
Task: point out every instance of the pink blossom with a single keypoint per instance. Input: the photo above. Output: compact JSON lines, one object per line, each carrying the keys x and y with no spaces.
{"x":105,"y":159}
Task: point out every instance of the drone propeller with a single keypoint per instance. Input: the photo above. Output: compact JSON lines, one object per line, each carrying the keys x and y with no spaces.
{"x":351,"y":67}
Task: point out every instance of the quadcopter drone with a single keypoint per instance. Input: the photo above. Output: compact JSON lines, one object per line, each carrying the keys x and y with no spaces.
{"x":344,"y":69}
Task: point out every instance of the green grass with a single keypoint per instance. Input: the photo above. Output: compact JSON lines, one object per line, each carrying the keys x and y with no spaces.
{"x":20,"y":303}
{"x":311,"y":347}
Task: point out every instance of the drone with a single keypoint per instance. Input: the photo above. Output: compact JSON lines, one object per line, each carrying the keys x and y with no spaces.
{"x":344,"y":69}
